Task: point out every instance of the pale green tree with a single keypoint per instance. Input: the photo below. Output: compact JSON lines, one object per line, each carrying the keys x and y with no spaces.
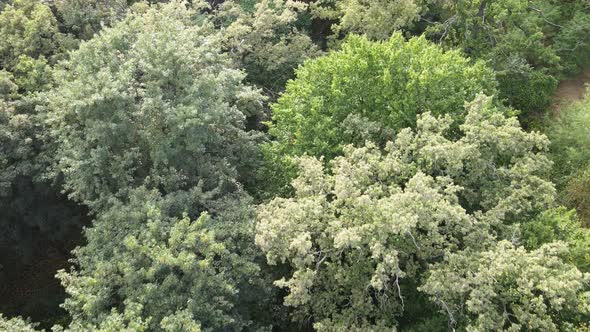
{"x":360,"y":236}
{"x":148,"y":120}
{"x":152,"y":101}
{"x":16,"y":324}
{"x":510,"y":289}
{"x":148,"y":262}
{"x":377,"y":19}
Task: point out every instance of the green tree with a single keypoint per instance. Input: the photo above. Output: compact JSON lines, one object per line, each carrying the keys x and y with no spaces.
{"x":360,"y":237}
{"x":267,"y":41}
{"x":141,"y":258}
{"x":377,"y":19}
{"x":571,"y":153}
{"x":529,"y":44}
{"x":510,"y":289}
{"x":152,"y":102}
{"x":367,"y":91}
{"x":34,"y":213}
{"x":84,"y":18}
{"x":559,"y":224}
{"x":16,"y":325}
{"x":28,"y":28}
{"x":148,"y":120}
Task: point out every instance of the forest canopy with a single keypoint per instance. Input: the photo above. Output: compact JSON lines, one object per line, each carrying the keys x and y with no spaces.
{"x":285,"y":165}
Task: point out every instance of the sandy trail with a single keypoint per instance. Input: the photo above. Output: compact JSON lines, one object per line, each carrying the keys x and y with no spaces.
{"x":571,"y":90}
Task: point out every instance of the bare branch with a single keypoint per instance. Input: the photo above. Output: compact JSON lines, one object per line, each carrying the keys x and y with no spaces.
{"x":545,"y":18}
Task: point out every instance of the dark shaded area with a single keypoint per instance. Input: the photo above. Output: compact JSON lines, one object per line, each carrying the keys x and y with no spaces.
{"x":38,"y":229}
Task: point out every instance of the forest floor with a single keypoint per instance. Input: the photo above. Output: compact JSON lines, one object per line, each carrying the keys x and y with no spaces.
{"x":570,"y":90}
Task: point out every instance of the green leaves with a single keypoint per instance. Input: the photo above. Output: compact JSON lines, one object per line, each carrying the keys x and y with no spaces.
{"x":377,"y":19}
{"x":360,"y":236}
{"x":385,"y":84}
{"x":152,"y":101}
{"x":510,"y":289}
{"x":28,"y":27}
{"x":16,"y":325}
{"x":156,"y":261}
{"x":148,"y":120}
{"x":268,"y":41}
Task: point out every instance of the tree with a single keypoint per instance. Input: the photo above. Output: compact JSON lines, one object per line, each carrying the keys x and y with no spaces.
{"x":530,"y":45}
{"x":510,"y":289}
{"x":34,"y":214}
{"x":526,"y":43}
{"x":28,"y":28}
{"x":559,"y":224}
{"x":267,"y":41}
{"x":367,"y":91}
{"x":570,"y":146}
{"x":361,"y":236}
{"x":148,"y":120}
{"x":377,"y":19}
{"x":84,"y":18}
{"x":16,"y":325}
{"x":152,"y":101}
{"x":141,"y":258}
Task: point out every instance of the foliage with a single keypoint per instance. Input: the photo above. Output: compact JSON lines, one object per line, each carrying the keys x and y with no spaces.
{"x":84,"y":18}
{"x":34,"y":213}
{"x":140,"y":257}
{"x":510,"y":289}
{"x":367,"y":91}
{"x":571,"y":153}
{"x":128,"y":110}
{"x":148,"y":120}
{"x":577,"y":193}
{"x":16,"y":325}
{"x":418,"y":206}
{"x":529,"y":44}
{"x":571,"y":43}
{"x":377,"y":19}
{"x":28,"y":27}
{"x":266,"y":42}
{"x":357,"y":236}
{"x":559,"y":225}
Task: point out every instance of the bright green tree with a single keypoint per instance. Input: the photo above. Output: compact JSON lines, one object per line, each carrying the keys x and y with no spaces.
{"x":529,"y":44}
{"x":360,"y":237}
{"x":367,"y":91}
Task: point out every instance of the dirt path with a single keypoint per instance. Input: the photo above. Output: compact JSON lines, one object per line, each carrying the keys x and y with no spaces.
{"x":570,"y":90}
